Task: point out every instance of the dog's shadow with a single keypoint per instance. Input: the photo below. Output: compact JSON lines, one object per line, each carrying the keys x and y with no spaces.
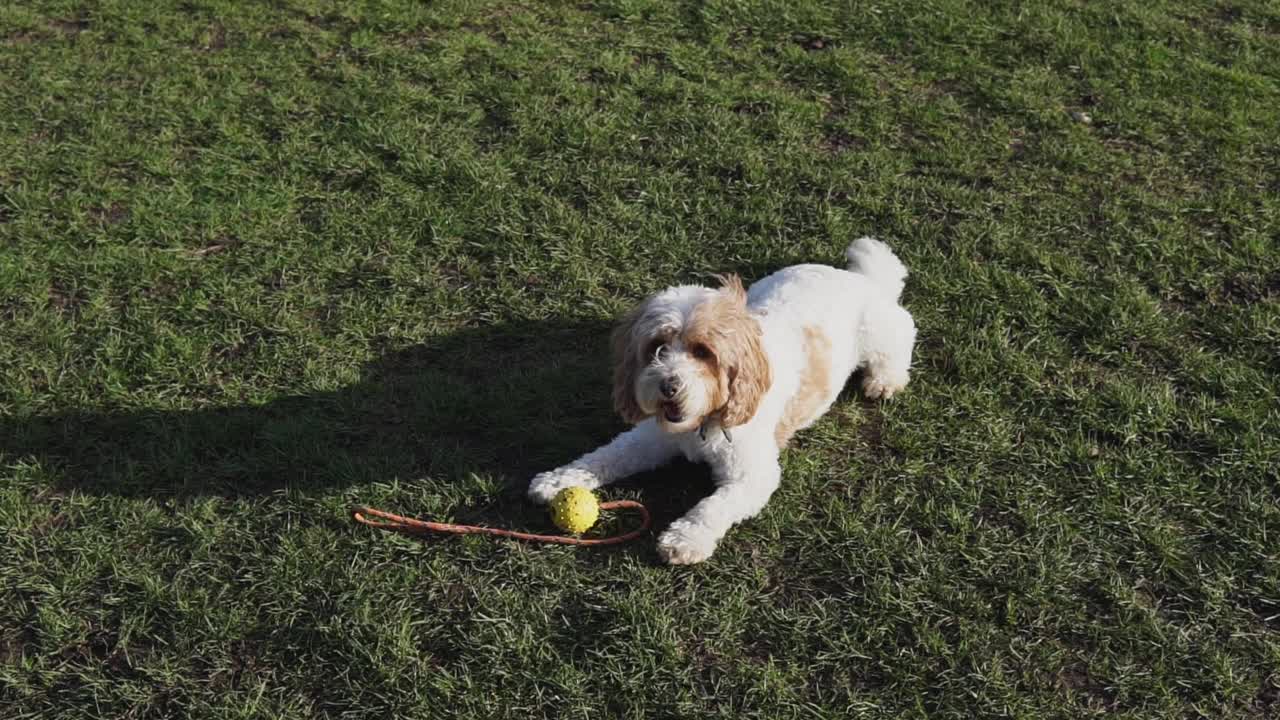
{"x":502,"y":401}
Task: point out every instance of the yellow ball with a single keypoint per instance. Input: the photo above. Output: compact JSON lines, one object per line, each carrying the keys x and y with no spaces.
{"x":574,"y":510}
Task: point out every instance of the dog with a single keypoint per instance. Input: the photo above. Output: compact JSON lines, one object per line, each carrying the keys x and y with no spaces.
{"x":727,"y":376}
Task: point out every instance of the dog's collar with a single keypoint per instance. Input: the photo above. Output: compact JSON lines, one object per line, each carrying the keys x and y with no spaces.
{"x":702,"y":430}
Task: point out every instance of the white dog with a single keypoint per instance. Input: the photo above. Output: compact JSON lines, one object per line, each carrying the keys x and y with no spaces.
{"x":727,"y":376}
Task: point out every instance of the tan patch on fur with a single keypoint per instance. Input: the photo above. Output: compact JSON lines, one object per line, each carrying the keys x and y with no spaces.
{"x":814,"y":387}
{"x":738,"y":367}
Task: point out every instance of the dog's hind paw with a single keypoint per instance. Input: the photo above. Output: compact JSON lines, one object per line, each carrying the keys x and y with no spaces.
{"x":878,"y":387}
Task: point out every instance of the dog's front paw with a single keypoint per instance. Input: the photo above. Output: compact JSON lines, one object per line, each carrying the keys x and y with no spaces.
{"x":544,"y":486}
{"x":686,"y":543}
{"x":882,"y":387}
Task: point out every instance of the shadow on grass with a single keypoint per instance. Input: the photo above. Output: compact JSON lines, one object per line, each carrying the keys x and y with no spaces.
{"x":506,"y":400}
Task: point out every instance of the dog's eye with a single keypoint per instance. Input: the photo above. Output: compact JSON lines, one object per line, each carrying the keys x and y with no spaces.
{"x":701,"y":352}
{"x":656,"y":348}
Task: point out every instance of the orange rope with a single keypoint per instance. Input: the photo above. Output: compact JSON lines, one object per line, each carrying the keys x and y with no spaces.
{"x":400,"y":523}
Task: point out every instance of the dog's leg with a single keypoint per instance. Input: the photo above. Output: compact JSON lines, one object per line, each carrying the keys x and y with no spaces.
{"x":745,"y":481}
{"x":887,"y":336}
{"x":643,"y":447}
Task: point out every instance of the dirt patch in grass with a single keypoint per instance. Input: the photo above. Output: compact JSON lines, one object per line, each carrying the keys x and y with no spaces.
{"x":1251,"y":287}
{"x":112,"y":214}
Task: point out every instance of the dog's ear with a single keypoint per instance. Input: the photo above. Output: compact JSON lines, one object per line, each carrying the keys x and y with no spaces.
{"x":748,"y":368}
{"x":749,"y":379}
{"x":626,"y":364}
{"x":732,"y":290}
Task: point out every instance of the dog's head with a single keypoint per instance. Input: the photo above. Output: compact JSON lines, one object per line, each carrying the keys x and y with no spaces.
{"x":689,"y":353}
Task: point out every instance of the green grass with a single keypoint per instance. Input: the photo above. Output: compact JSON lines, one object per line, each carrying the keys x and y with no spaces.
{"x":261,"y":261}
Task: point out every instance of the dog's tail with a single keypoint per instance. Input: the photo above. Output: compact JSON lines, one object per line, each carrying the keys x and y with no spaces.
{"x":874,"y":260}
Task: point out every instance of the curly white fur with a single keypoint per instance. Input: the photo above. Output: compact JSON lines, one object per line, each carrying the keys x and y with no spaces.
{"x":754,"y":367}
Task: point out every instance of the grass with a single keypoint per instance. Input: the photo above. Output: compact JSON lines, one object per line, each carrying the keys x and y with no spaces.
{"x":261,"y":261}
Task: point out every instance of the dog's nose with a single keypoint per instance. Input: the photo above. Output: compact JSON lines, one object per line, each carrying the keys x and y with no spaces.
{"x":667,"y":388}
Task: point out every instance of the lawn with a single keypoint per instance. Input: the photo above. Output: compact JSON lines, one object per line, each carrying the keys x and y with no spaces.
{"x":261,"y":261}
